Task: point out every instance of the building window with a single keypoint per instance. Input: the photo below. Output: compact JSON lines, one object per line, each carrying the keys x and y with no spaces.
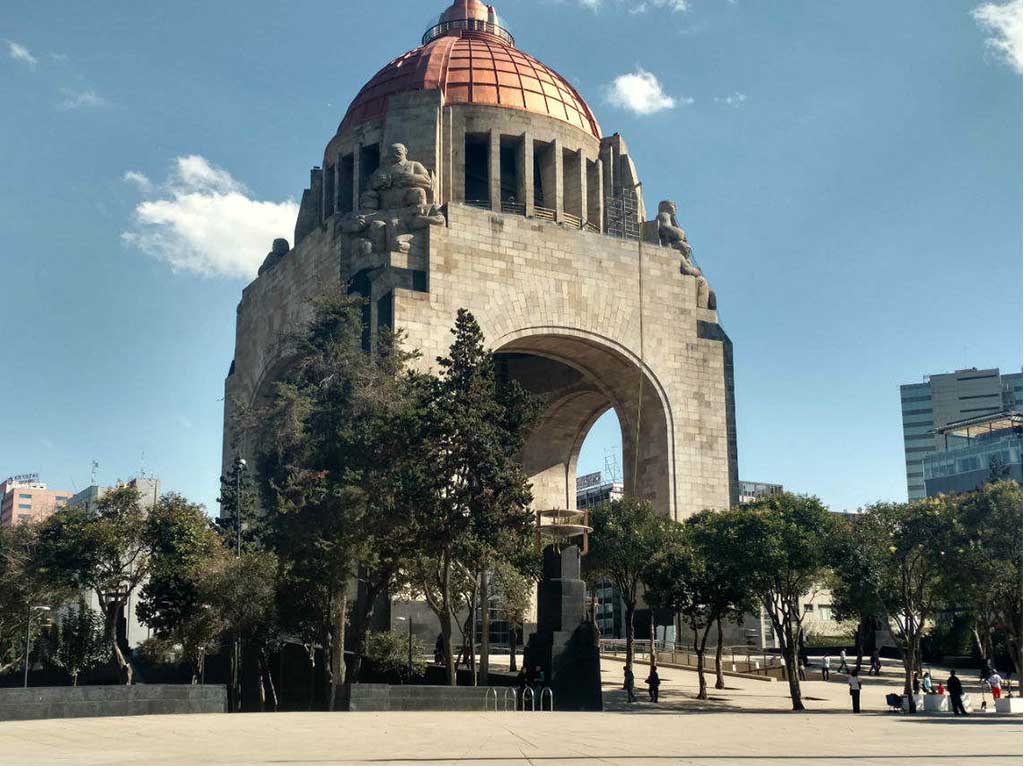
{"x":478,"y":165}
{"x":808,"y":608}
{"x":24,"y":517}
{"x":23,"y":495}
{"x":25,"y":506}
{"x":346,"y":183}
{"x":825,"y":611}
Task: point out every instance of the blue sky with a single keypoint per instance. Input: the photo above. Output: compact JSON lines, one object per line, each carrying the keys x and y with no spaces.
{"x":849,"y":174}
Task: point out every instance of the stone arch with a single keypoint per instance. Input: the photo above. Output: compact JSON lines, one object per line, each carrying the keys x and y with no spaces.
{"x":582,"y":375}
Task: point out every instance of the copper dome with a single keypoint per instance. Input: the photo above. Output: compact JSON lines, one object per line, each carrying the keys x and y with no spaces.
{"x":472,"y":59}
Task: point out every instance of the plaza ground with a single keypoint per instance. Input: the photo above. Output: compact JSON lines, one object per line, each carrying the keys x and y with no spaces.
{"x":748,"y":723}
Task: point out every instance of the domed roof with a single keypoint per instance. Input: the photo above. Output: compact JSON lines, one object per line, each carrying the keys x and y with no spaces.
{"x":472,"y":59}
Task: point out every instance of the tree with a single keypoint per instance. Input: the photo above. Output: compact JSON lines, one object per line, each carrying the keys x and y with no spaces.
{"x":782,"y":541}
{"x":514,"y":593}
{"x":984,"y":566}
{"x":242,"y":591}
{"x":336,"y":469}
{"x":22,"y":586}
{"x":691,"y":577}
{"x":851,"y":582}
{"x":477,"y":507}
{"x":183,"y":546}
{"x":904,"y":551}
{"x":627,"y":535}
{"x":79,"y":643}
{"x":102,"y":551}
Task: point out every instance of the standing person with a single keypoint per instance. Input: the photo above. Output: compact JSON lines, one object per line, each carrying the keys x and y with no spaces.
{"x":996,"y":683}
{"x":926,"y":683}
{"x":916,"y":684}
{"x":628,"y":681}
{"x":876,"y":663}
{"x":826,"y":665}
{"x":843,"y":668}
{"x":653,"y":684}
{"x":956,"y":694}
{"x":801,"y":669}
{"x":854,"y":682}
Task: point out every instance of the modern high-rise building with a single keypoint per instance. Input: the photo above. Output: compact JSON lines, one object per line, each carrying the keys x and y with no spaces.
{"x":751,"y":491}
{"x":25,"y":499}
{"x":947,"y":398}
{"x":148,"y":489}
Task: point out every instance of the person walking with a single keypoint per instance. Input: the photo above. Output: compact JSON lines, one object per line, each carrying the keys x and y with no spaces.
{"x":876,"y":663}
{"x":854,"y":682}
{"x":996,"y":683}
{"x":628,"y":682}
{"x":826,"y":665}
{"x":956,"y":694}
{"x":843,"y":668}
{"x":653,"y":684}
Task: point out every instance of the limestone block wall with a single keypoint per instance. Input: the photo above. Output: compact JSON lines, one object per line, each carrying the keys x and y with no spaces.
{"x":540,"y":287}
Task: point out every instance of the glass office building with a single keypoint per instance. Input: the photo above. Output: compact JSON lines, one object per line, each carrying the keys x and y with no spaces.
{"x":944,"y":399}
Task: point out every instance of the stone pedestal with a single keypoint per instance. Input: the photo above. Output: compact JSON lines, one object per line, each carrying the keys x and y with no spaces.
{"x":565,"y":644}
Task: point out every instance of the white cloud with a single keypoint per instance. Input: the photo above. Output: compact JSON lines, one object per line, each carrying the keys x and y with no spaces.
{"x":1003,"y":22}
{"x":205,"y":221}
{"x":640,"y":93}
{"x":734,"y":100}
{"x":140,"y":180}
{"x":633,"y":7}
{"x":19,"y":52}
{"x":88,"y":99}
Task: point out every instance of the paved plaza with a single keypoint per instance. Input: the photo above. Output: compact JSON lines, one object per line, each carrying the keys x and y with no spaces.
{"x":749,"y":723}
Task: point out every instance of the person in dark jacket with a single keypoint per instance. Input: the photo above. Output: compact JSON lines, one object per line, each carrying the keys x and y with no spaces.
{"x":956,"y":694}
{"x":653,"y":684}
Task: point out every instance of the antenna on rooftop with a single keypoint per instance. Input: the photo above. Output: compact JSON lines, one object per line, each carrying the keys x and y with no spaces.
{"x":142,"y":468}
{"x":611,"y":465}
{"x":92,"y":476}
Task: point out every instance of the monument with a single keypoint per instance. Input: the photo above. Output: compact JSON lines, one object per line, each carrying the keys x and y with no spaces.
{"x":466,"y":173}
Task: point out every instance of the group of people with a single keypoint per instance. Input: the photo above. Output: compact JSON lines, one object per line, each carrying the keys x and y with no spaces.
{"x":653,"y":682}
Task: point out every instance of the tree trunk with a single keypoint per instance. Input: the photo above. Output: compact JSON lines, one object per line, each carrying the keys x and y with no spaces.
{"x":74,"y":679}
{"x":719,"y":676}
{"x":698,"y":648}
{"x":260,"y":687}
{"x":113,"y":611}
{"x":472,"y":639}
{"x":485,"y":629}
{"x":630,"y":632}
{"x":793,"y":674}
{"x":337,"y":647}
{"x":270,"y":683}
{"x":858,"y":639}
{"x":908,"y":673}
{"x":512,"y":636}
{"x":654,"y":641}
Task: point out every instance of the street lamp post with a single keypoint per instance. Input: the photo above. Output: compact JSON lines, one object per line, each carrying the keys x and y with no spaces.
{"x":409,"y":621}
{"x":239,"y":468}
{"x":28,"y":636}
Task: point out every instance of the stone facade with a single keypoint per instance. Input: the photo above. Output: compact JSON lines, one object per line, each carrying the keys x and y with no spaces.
{"x":514,"y":227}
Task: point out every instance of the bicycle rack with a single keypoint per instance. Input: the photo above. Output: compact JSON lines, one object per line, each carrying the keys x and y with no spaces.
{"x":533,"y":699}
{"x":551,"y":698}
{"x":505,"y":697}
{"x":487,"y":699}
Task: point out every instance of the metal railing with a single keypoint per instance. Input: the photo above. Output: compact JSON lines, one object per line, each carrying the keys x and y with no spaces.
{"x":471,"y":25}
{"x":543,"y":213}
{"x":735,"y":658}
{"x":570,"y":220}
{"x":513,"y":208}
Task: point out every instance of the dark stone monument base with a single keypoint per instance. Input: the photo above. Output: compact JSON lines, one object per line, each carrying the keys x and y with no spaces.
{"x":565,"y":644}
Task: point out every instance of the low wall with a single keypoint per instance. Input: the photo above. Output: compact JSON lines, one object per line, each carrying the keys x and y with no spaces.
{"x":411,"y":697}
{"x":113,"y":700}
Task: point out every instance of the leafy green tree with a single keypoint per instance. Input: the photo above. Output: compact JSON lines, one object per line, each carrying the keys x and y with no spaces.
{"x":514,"y":594}
{"x":333,"y":470}
{"x":389,"y":653}
{"x":242,"y":591}
{"x":984,"y":564}
{"x":239,"y":494}
{"x":627,"y":536}
{"x":183,"y":546}
{"x":102,"y":551}
{"x":22,"y":586}
{"x":476,"y":508}
{"x":79,"y":643}
{"x":852,"y":582}
{"x":783,"y":543}
{"x":905,"y":549}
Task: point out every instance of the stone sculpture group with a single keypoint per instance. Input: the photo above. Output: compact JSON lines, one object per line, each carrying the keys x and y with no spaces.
{"x":671,"y":235}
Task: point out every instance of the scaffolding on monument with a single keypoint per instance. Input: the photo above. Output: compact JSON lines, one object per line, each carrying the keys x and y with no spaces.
{"x":621,"y":212}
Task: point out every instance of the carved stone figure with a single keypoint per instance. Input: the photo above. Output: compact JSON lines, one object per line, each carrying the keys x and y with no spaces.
{"x":397,"y":175}
{"x":277,"y":252}
{"x":671,"y":235}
